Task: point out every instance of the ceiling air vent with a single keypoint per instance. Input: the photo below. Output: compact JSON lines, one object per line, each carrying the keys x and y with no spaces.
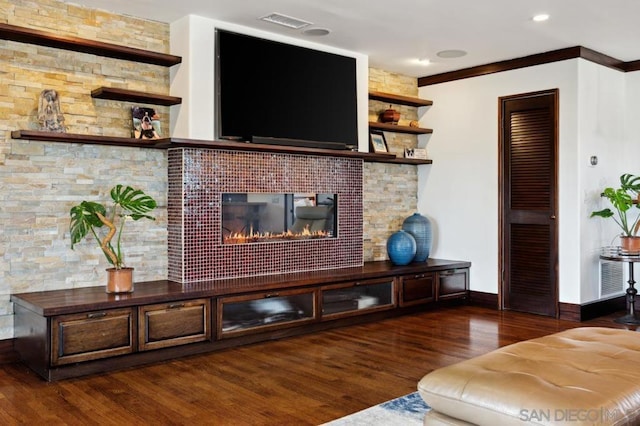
{"x":285,"y":21}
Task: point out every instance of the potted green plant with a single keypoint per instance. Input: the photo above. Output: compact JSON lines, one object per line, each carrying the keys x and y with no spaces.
{"x":624,"y":200}
{"x":90,"y":216}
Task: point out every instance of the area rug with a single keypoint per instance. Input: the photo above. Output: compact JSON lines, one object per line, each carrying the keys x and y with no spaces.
{"x":407,"y":410}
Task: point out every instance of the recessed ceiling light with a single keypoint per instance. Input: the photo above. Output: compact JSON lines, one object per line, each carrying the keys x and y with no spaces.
{"x":316,"y":32}
{"x":541,"y":17}
{"x":285,"y":21}
{"x":424,"y":61}
{"x":451,"y":53}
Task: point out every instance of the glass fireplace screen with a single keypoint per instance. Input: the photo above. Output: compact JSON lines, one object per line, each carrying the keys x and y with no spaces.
{"x":269,"y":217}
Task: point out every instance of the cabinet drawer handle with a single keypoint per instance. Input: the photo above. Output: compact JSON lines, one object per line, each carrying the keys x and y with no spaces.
{"x":419,"y":276}
{"x":176,"y":305}
{"x":268,"y":295}
{"x":97,"y":315}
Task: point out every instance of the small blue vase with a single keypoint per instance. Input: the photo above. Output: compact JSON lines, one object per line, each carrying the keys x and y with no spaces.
{"x":420,"y":227}
{"x":401,"y":247}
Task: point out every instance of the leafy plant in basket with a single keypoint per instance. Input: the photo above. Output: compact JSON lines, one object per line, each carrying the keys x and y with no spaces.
{"x":90,"y":216}
{"x":624,"y":200}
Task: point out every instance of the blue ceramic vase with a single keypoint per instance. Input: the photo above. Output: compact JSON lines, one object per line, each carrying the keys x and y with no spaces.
{"x":401,"y":247}
{"x":420,"y":228}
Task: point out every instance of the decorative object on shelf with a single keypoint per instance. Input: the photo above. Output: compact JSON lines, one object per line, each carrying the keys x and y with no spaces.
{"x":390,"y":116}
{"x":146,"y":123}
{"x":49,"y":112}
{"x":414,"y":123}
{"x":128,"y":203}
{"x":624,"y":200}
{"x":418,"y":153}
{"x":401,"y":247}
{"x":420,"y":228}
{"x":378,"y":141}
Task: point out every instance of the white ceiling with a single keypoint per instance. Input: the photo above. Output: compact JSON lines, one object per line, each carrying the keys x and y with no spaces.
{"x":395,"y":33}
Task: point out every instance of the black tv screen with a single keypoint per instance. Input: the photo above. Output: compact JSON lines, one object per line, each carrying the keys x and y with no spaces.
{"x":267,"y":89}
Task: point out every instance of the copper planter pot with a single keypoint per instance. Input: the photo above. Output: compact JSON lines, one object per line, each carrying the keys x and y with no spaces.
{"x":119,"y":280}
{"x":630,"y":244}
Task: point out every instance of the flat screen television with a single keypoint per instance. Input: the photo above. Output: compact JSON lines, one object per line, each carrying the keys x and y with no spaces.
{"x":277,"y":93}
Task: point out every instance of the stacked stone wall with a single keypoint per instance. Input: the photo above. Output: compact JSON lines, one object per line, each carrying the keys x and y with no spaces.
{"x":390,"y":191}
{"x":40,"y":182}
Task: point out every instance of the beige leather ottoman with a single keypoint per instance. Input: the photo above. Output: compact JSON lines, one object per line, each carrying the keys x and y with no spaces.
{"x":583,"y":376}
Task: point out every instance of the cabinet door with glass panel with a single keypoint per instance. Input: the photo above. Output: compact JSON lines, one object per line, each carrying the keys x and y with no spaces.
{"x":358,"y":297}
{"x":258,"y":312}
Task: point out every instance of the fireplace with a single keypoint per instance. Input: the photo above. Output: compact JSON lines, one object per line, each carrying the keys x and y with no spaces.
{"x":249,"y":218}
{"x":220,"y":202}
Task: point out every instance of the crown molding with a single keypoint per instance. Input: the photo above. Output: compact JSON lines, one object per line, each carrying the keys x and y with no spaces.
{"x":632,"y":66}
{"x":531,"y":60}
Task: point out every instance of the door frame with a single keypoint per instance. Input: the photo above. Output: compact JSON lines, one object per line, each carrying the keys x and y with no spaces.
{"x":502,"y":278}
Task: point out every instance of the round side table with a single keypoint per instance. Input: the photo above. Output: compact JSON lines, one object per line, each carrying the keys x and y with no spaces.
{"x":614,"y":254}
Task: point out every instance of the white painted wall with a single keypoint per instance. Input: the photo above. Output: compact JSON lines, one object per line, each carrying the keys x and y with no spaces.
{"x":193,"y":38}
{"x":460,"y":190}
{"x":601,"y":124}
{"x":632,"y":120}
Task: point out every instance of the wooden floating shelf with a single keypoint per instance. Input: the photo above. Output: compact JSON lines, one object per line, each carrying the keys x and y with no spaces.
{"x":37,"y":135}
{"x":398,"y":99}
{"x":282,"y":149}
{"x":134,"y":96}
{"x":400,"y":160}
{"x":399,"y":129}
{"x":77,"y":44}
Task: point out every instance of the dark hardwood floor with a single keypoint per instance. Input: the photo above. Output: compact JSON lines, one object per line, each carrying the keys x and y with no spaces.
{"x":302,"y":380}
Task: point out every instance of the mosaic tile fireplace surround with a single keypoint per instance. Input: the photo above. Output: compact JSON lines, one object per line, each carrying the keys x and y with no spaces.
{"x":198,"y":178}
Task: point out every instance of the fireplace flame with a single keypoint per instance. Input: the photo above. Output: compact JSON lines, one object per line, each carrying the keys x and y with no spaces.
{"x":257,"y":237}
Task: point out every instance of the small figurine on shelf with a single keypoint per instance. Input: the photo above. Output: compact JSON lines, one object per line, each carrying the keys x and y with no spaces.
{"x":146,"y":123}
{"x":49,"y":113}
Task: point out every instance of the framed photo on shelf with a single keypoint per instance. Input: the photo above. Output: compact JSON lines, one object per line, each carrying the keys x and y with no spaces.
{"x":145,"y":123}
{"x":378,"y":142}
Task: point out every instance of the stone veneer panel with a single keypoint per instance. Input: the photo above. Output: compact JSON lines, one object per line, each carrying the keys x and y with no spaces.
{"x":199,"y":177}
{"x":39,"y":182}
{"x":390,"y":196}
{"x":390,"y":191}
{"x":384,"y":81}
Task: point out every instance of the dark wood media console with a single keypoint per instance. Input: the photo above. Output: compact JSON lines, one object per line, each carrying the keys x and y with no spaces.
{"x":70,"y":333}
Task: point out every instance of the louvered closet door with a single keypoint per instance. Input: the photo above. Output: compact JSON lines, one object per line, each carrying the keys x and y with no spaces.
{"x":528,"y":196}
